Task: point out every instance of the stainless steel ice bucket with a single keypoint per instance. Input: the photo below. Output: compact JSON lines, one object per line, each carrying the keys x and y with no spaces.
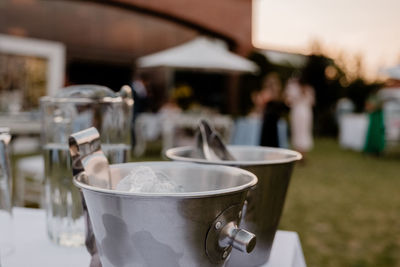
{"x":264,"y":203}
{"x":196,"y":227}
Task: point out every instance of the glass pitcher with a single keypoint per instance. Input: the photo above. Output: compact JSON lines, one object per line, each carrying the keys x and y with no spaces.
{"x":73,"y":109}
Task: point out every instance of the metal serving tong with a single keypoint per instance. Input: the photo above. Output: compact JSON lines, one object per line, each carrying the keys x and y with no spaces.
{"x":90,"y":163}
{"x":209,"y":143}
{"x":88,"y":159}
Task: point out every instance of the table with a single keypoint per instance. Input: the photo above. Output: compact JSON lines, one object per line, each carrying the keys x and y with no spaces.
{"x":353,"y":130}
{"x":33,"y":248}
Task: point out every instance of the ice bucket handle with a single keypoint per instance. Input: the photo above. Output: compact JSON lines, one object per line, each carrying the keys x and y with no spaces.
{"x":240,"y":239}
{"x":224,"y":234}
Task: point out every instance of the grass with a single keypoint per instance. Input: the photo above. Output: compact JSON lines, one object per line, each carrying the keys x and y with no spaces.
{"x":346,"y":207}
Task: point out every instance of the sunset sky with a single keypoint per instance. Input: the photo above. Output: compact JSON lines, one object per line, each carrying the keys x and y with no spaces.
{"x":369,"y":28}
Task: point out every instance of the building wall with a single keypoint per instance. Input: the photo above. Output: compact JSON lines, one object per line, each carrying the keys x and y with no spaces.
{"x":122,"y":30}
{"x":228,"y":19}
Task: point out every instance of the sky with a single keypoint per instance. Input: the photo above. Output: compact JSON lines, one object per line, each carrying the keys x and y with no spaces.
{"x":366,"y":28}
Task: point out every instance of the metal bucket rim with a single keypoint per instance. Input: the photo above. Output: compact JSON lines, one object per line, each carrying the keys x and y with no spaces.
{"x":211,"y":193}
{"x":172,"y":155}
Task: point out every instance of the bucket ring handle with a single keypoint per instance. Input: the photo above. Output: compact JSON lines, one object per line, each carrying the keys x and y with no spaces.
{"x":224,"y":234}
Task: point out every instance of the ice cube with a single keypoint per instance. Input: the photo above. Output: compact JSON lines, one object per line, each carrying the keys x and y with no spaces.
{"x":140,"y":179}
{"x":144,"y":180}
{"x":164,"y":184}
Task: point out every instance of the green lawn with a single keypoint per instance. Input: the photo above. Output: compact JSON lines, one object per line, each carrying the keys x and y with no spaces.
{"x":346,"y":207}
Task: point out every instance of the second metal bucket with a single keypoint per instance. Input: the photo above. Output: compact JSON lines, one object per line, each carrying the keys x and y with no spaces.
{"x":264,"y":203}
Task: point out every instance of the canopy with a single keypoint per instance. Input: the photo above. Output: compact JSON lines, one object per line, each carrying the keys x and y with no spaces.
{"x":199,"y":54}
{"x":285,"y":58}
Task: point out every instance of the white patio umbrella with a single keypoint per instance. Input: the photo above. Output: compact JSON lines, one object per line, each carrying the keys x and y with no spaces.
{"x":202,"y":53}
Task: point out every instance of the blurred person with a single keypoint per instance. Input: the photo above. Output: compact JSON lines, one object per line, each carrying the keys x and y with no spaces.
{"x":273,"y":111}
{"x":259,"y":100}
{"x":300,"y":97}
{"x":247,"y":130}
{"x":141,"y":101}
{"x":140,"y":94}
{"x":375,"y":139}
{"x":170,"y":107}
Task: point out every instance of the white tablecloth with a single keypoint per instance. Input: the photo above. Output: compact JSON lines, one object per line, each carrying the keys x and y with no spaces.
{"x":353,"y":130}
{"x":33,"y":248}
{"x":247,"y":131}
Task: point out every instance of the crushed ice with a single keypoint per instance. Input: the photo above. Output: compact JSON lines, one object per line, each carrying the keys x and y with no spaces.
{"x":144,"y":180}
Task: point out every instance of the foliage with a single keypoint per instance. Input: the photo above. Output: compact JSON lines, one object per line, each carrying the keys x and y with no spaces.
{"x":358,"y":92}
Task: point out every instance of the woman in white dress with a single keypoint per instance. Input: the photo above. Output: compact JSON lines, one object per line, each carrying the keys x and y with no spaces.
{"x":300,"y":98}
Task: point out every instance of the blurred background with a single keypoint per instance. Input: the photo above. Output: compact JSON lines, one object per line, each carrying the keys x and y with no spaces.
{"x":256,"y":69}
